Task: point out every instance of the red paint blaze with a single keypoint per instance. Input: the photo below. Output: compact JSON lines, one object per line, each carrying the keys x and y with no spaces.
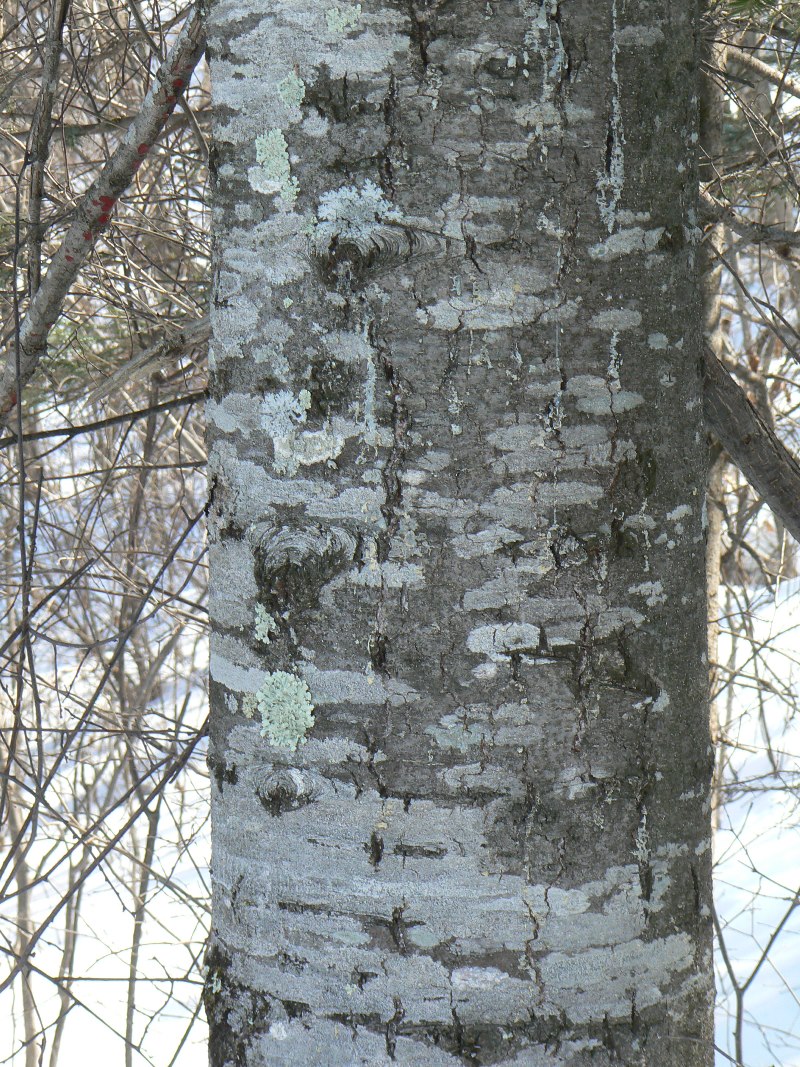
{"x":10,"y":401}
{"x":107,"y":202}
{"x":69,"y":259}
{"x":103,"y":219}
{"x":177,"y":83}
{"x":143,"y":149}
{"x":87,"y":235}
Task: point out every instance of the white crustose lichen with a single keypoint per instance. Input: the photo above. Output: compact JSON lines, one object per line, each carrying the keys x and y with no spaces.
{"x":353,"y":213}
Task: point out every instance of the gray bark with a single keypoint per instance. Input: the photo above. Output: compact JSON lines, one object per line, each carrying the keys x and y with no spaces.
{"x":458,"y":474}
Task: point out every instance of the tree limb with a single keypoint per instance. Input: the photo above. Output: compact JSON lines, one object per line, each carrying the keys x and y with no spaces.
{"x":39,"y":140}
{"x":785,"y":81}
{"x":714,"y":210}
{"x":156,"y":357}
{"x":68,"y":432}
{"x":94,"y":210}
{"x":767,"y":464}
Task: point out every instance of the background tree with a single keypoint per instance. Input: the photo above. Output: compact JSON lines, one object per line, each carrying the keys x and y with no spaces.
{"x":103,"y":655}
{"x":751,"y":203}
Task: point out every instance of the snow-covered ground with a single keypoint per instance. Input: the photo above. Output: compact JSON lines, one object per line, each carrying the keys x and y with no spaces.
{"x":758,"y":847}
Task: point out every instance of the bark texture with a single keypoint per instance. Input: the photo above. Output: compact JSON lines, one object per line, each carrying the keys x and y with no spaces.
{"x":458,"y":475}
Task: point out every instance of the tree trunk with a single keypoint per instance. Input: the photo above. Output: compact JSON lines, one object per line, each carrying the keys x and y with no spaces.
{"x":458,"y":473}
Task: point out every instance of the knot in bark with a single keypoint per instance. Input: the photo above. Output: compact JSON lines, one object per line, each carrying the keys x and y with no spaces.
{"x":286,"y":789}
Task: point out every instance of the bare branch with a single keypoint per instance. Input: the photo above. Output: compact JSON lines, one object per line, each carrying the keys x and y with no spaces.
{"x":166,"y":351}
{"x":68,"y":432}
{"x":95,"y":209}
{"x":39,"y":140}
{"x":752,"y":445}
{"x":714,"y":210}
{"x":781,"y":78}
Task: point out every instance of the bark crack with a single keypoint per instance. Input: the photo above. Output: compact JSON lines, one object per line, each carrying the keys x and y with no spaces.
{"x":391,"y":478}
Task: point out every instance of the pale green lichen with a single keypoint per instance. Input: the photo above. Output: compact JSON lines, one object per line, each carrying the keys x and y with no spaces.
{"x":273,"y":173}
{"x":341,"y":18}
{"x":284,"y":704}
{"x":265,"y":624}
{"x":292,"y":90}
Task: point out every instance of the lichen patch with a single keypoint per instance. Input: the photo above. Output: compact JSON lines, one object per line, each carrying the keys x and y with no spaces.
{"x":341,"y":18}
{"x":284,"y":703}
{"x":273,"y":175}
